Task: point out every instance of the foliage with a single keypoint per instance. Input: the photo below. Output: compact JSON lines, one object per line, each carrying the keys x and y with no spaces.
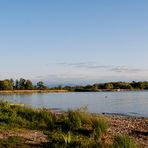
{"x":100,"y":123}
{"x":109,"y":86}
{"x":67,"y":138}
{"x":13,"y":142}
{"x":6,"y":85}
{"x":22,"y":116}
{"x":123,"y":142}
{"x":75,"y":128}
{"x":21,"y":84}
{"x":40,"y":85}
{"x":74,"y":119}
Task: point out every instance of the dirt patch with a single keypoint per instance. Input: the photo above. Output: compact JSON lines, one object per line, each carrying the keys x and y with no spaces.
{"x":30,"y":136}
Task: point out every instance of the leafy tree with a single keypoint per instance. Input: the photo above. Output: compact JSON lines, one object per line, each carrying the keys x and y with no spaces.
{"x":28,"y":85}
{"x":16,"y":84}
{"x":40,"y":85}
{"x":22,"y":83}
{"x":6,"y":85}
{"x":12,"y":83}
{"x":108,"y":86}
{"x":138,"y":85}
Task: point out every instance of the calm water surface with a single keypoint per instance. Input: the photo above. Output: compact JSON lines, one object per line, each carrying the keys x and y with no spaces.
{"x":128,"y":103}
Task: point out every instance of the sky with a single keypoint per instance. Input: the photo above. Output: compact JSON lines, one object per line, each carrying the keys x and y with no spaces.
{"x":74,"y":41}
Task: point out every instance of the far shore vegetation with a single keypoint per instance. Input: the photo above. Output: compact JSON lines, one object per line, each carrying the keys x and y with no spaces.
{"x":74,"y":128}
{"x":23,"y":86}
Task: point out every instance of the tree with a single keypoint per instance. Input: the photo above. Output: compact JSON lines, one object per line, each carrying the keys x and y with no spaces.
{"x":16,"y":84}
{"x":6,"y":85}
{"x":28,"y":85}
{"x":108,"y":86}
{"x":22,"y":83}
{"x":40,"y":85}
{"x":12,"y":83}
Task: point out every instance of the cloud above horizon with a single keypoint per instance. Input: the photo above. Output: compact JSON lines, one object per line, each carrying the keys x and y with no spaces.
{"x":83,"y":73}
{"x":91,"y":72}
{"x":93,"y":65}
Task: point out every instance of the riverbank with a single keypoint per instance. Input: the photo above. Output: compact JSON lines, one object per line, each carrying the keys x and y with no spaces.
{"x":27,"y":127}
{"x":62,"y":91}
{"x":135,"y":127}
{"x":30,"y":91}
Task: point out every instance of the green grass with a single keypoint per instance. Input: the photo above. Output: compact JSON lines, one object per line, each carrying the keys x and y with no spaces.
{"x":76,"y":128}
{"x":123,"y":141}
{"x":13,"y":142}
{"x":21,"y":116}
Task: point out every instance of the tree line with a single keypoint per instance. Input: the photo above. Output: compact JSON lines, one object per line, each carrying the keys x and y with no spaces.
{"x":110,"y":86}
{"x":21,"y":84}
{"x":25,"y":84}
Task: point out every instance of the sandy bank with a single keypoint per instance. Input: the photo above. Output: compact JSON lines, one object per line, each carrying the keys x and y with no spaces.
{"x":30,"y":91}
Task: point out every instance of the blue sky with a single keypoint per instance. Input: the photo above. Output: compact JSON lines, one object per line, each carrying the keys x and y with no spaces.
{"x":74,"y":41}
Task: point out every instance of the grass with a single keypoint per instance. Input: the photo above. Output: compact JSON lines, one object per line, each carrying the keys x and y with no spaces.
{"x":76,"y":128}
{"x":13,"y":142}
{"x":123,"y":141}
{"x":21,"y":116}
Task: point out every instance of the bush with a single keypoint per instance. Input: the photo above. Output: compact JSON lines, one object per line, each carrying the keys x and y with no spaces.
{"x":100,"y":123}
{"x":74,"y":119}
{"x":123,"y":142}
{"x":99,"y":126}
{"x":15,"y":115}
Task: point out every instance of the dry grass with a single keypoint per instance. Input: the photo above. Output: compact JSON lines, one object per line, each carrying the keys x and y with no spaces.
{"x":30,"y":91}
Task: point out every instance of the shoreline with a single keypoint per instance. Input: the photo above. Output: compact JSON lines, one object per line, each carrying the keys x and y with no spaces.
{"x":31,"y":91}
{"x":135,"y":127}
{"x":64,"y":91}
{"x":118,"y":124}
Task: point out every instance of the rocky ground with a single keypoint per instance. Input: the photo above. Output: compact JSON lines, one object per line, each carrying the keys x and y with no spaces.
{"x":136,"y":127}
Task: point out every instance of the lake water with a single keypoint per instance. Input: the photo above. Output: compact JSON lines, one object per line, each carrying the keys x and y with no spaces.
{"x":128,"y":103}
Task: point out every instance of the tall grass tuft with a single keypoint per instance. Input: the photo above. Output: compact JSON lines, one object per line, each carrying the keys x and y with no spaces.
{"x":25,"y":117}
{"x":67,"y":138}
{"x":74,"y":119}
{"x":123,"y":142}
{"x":100,"y":123}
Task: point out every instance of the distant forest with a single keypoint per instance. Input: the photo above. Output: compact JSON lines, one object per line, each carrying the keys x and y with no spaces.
{"x":23,"y":84}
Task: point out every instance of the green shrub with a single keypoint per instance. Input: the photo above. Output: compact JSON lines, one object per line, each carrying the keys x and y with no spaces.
{"x":16,"y":115}
{"x":97,"y":134}
{"x":123,"y":142}
{"x":99,"y":123}
{"x":66,"y":125}
{"x":85,"y":117}
{"x":67,"y":138}
{"x":99,"y":126}
{"x":74,"y":119}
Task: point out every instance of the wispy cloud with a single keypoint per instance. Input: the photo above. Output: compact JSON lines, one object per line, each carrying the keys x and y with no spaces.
{"x":80,"y":72}
{"x":59,"y":77}
{"x":111,"y":68}
{"x":124,"y":69}
{"x":90,"y":65}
